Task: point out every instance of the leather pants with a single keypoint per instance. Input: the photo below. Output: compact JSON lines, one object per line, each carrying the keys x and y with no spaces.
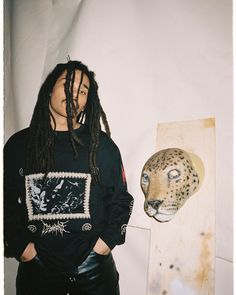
{"x":97,"y":275}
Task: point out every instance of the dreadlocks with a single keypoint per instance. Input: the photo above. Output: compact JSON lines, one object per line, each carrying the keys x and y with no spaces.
{"x":41,"y":135}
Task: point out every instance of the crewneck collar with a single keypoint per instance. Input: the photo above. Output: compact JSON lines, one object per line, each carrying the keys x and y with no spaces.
{"x":60,"y":133}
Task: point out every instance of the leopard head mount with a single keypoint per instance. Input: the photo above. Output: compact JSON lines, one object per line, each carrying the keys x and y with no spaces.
{"x":168,"y":179}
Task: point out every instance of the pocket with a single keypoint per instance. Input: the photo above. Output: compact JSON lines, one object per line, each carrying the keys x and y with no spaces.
{"x":36,"y":267}
{"x":102,"y":255}
{"x":31,"y":260}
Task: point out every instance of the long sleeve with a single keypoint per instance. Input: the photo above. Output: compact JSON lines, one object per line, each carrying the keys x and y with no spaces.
{"x":16,"y":235}
{"x":119,"y":206}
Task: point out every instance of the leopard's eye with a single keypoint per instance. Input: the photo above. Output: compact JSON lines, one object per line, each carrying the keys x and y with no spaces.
{"x":173,"y":174}
{"x":145,"y":179}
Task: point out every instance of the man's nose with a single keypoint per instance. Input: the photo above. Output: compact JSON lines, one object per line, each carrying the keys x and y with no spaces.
{"x":75,"y":92}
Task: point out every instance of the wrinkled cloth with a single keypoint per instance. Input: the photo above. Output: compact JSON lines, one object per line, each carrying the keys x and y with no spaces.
{"x":97,"y":275}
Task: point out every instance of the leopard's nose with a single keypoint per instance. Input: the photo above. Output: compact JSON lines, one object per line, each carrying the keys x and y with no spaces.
{"x":155,"y":204}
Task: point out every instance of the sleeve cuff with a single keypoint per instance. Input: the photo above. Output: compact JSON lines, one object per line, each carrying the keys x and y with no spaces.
{"x":110,"y":240}
{"x":16,"y":247}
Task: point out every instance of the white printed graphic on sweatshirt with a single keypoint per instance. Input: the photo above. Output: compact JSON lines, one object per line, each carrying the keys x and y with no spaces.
{"x":61,"y":195}
{"x":58,"y":227}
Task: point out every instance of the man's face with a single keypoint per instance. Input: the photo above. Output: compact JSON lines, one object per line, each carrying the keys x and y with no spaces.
{"x":58,"y":97}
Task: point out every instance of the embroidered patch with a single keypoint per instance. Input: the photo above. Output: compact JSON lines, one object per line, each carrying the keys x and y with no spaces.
{"x":32,"y":228}
{"x":86,"y":227}
{"x":60,"y":196}
{"x":123,"y":229}
{"x":58,"y":227}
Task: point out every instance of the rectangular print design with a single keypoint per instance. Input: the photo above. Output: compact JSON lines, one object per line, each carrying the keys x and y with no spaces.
{"x":61,"y":195}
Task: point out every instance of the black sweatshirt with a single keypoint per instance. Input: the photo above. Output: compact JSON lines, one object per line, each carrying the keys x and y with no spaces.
{"x":65,"y":214}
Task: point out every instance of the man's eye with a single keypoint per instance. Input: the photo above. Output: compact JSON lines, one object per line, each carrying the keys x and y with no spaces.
{"x":83,"y":92}
{"x":145,"y":178}
{"x":173,"y":174}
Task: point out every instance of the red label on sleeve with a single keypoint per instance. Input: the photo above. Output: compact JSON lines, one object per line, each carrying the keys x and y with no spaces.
{"x":123,"y":175}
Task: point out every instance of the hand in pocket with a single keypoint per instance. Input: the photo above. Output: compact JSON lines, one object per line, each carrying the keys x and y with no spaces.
{"x":29,"y":253}
{"x":101,"y":247}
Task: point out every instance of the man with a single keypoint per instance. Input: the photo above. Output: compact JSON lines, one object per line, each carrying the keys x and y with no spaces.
{"x":66,"y":201}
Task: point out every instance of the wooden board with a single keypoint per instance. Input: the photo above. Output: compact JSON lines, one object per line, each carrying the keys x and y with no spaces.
{"x":182,"y":251}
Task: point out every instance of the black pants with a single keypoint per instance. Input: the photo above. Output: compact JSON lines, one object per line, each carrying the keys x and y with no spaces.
{"x":97,"y":275}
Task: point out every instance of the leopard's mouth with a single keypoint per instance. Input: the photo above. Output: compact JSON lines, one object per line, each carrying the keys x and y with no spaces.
{"x":163,"y":217}
{"x":160,"y":213}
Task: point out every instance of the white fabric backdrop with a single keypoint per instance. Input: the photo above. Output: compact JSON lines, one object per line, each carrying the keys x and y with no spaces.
{"x":155,"y":61}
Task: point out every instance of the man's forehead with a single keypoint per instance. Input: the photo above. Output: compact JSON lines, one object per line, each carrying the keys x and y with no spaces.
{"x":78,"y":73}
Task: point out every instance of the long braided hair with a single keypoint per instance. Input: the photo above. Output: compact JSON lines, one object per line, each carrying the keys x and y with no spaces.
{"x":41,"y":134}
